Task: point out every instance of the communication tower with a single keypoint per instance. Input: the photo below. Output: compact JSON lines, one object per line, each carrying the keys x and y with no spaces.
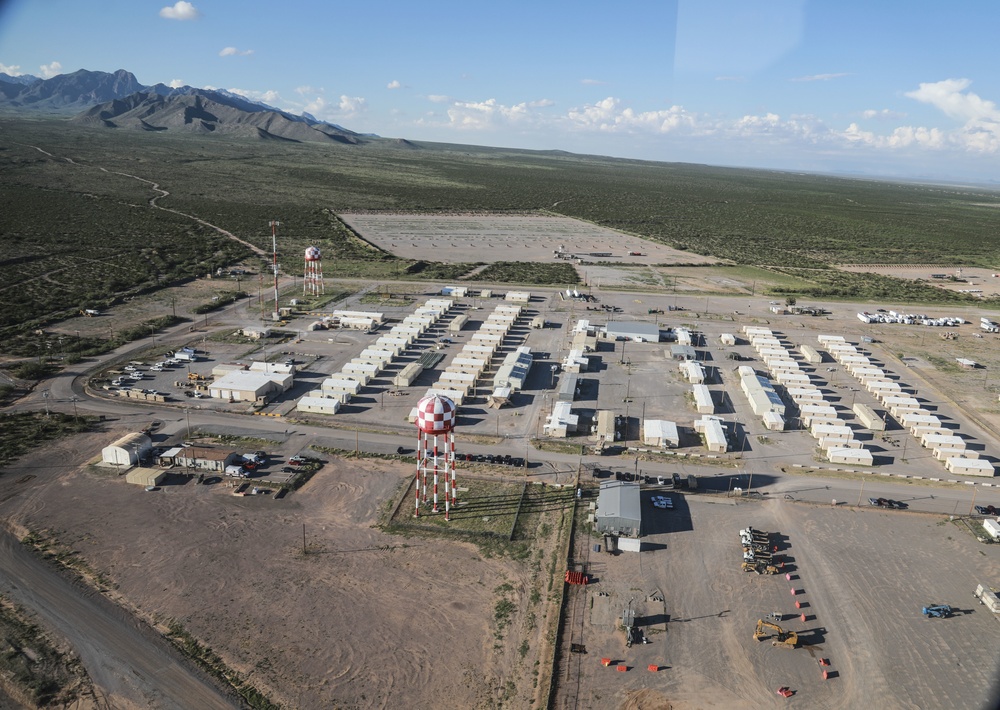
{"x":436,"y":418}
{"x":312,"y":281}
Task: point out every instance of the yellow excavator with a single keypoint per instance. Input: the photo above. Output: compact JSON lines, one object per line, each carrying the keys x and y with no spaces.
{"x":759,"y":568}
{"x":782,"y":638}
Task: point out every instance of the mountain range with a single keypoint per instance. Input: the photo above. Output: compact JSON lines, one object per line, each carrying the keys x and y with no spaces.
{"x":118,"y":101}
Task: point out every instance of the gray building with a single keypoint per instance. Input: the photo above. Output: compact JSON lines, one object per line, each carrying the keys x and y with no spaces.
{"x":636,"y":331}
{"x":619,"y":511}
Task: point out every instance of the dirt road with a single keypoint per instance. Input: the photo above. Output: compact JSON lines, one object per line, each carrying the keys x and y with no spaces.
{"x":129,"y":664}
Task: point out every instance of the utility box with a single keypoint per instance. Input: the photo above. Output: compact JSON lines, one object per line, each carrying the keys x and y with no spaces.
{"x":988,"y":598}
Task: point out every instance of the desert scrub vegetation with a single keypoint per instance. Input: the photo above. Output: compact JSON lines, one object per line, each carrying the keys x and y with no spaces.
{"x":76,"y":236}
{"x":530,"y":272}
{"x":34,"y":670}
{"x":21,"y":432}
{"x":833,"y":283}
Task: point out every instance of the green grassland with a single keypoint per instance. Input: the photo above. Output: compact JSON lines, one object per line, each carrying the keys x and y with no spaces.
{"x":77,"y":231}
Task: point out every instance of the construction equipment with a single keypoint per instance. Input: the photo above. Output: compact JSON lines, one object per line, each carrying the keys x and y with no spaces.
{"x":937,"y":611}
{"x":780,"y":638}
{"x":759,"y":568}
{"x":195,"y":376}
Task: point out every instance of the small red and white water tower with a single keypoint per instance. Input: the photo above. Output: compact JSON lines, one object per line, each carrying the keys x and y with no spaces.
{"x":312,"y":281}
{"x":436,"y":418}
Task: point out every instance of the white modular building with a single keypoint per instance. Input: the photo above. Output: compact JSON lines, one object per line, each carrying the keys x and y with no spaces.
{"x":407,"y":376}
{"x":703,"y":399}
{"x":868,"y":417}
{"x":693,"y":371}
{"x":514,"y":371}
{"x":850,"y":456}
{"x":834,"y":432}
{"x":562,"y":422}
{"x":805,"y":395}
{"x":774,"y":421}
{"x":946,"y":441}
{"x":715,"y":436}
{"x":810,"y":413}
{"x":246,"y":386}
{"x":316,"y":403}
{"x":811,"y":355}
{"x":727,"y":339}
{"x":659,"y":432}
{"x":969,"y":467}
{"x":336,"y":386}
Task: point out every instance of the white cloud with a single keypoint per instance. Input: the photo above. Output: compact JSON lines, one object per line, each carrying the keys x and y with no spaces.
{"x":394,"y":85}
{"x":13,"y":70}
{"x":303,"y":90}
{"x":176,"y":84}
{"x":180,"y":10}
{"x":352,"y":105}
{"x":439,"y":99}
{"x":50,"y":70}
{"x":980,"y":132}
{"x":948,"y":97}
{"x":820,"y":77}
{"x":268,"y":97}
{"x":882,"y":115}
{"x":233,"y":52}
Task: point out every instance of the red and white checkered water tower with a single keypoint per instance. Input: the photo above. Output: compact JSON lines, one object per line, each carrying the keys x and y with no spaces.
{"x":436,"y":418}
{"x":312,"y":281}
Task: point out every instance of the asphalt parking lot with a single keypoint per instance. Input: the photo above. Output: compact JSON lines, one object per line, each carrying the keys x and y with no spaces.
{"x":862,"y":602}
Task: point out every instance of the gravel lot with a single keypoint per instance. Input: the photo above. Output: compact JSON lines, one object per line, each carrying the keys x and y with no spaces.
{"x":862,"y":602}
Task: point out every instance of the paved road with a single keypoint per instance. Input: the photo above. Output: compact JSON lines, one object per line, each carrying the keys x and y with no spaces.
{"x":129,"y":663}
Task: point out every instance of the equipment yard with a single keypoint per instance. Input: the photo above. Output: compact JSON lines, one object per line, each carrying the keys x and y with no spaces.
{"x":860,"y":576}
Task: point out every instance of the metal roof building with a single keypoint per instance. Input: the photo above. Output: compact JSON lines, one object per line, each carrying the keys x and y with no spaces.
{"x":633,"y":330}
{"x":618,"y":509}
{"x":128,"y":450}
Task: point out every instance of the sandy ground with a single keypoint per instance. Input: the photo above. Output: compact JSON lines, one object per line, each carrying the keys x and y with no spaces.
{"x":364,"y":620}
{"x":479,"y":238}
{"x":861,"y":603}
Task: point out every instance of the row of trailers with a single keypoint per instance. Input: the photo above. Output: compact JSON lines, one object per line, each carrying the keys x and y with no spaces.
{"x":834,"y":437}
{"x":924,"y":425}
{"x":338,"y":389}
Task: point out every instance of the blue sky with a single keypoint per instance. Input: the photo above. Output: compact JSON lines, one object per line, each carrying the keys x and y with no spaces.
{"x":872,"y":88}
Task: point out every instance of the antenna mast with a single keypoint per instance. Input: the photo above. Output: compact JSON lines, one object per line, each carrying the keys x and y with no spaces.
{"x":274,"y":264}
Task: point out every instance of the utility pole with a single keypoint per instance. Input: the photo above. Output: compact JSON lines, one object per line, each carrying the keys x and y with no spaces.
{"x":862,"y":492}
{"x":972,"y":506}
{"x":274,"y":263}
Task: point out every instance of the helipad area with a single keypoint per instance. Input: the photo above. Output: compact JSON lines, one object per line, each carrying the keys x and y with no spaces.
{"x":489,"y":238}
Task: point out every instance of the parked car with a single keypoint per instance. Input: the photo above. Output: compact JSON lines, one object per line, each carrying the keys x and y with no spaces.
{"x":897,"y":504}
{"x":296,"y":459}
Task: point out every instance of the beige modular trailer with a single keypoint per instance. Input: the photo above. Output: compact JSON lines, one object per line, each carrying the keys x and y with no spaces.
{"x":408,"y":375}
{"x":715,"y":436}
{"x":820,"y":415}
{"x":805,"y":395}
{"x":850,"y":457}
{"x":868,"y":417}
{"x":822,"y":430}
{"x":773,"y":421}
{"x":969,"y":467}
{"x":943,"y":453}
{"x":934,"y":441}
{"x":458,"y":322}
{"x":318,"y":405}
{"x":810,"y":353}
{"x":703,"y":399}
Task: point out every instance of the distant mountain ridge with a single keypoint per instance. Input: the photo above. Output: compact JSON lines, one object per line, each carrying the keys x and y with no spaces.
{"x":118,"y":100}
